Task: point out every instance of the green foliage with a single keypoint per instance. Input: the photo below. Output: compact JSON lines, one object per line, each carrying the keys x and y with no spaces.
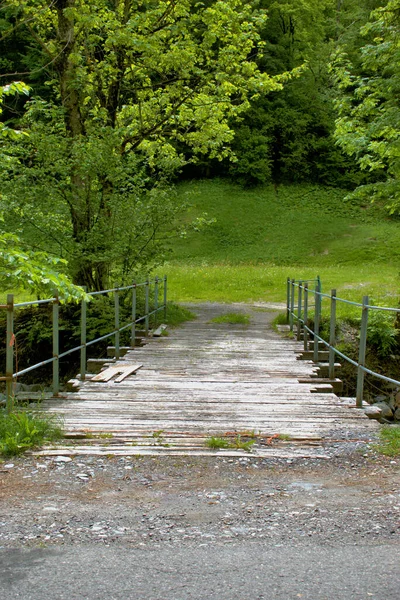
{"x":22,"y":430}
{"x":32,"y":270}
{"x":232,"y":319}
{"x":390,"y":441}
{"x":16,"y":87}
{"x":130,"y":89}
{"x":35,"y":271}
{"x":368,"y":109}
{"x":382,"y":334}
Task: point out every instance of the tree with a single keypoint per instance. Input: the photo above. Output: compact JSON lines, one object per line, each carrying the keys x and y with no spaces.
{"x":131,"y":82}
{"x":288,"y":136}
{"x":36,"y":271}
{"x":368,"y":105}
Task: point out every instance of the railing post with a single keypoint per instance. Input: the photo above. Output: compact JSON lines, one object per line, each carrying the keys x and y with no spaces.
{"x":291,"y":312}
{"x":56,"y":345}
{"x":332,"y":336}
{"x":116,"y":311}
{"x":133,"y":329}
{"x":155,"y":301}
{"x":83,"y":337}
{"x":299,"y":308}
{"x":317,"y":316}
{"x":165,"y":297}
{"x":146,"y":307}
{"x":287,"y":299}
{"x":362,"y":351}
{"x":10,"y":340}
{"x":305,"y":316}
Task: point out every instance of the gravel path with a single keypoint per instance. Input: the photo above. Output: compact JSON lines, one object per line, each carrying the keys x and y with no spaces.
{"x":143,"y":501}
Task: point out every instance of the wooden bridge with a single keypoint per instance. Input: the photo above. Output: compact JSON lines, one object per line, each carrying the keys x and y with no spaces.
{"x":236,"y":383}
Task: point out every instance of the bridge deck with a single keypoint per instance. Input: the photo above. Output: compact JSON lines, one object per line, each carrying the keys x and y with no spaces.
{"x":207,"y":379}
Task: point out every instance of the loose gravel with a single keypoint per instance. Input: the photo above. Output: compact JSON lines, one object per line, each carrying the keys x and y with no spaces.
{"x":152,"y":501}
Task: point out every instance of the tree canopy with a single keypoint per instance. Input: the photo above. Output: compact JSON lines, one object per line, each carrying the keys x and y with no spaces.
{"x":368,"y":124}
{"x":130,"y":84}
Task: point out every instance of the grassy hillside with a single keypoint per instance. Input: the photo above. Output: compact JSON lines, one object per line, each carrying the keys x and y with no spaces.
{"x":264,"y":235}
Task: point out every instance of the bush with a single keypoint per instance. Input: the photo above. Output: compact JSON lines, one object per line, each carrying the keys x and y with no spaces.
{"x":382,"y":334}
{"x":22,"y":430}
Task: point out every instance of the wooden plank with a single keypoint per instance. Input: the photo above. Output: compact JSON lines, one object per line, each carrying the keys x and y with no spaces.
{"x":128,"y":371}
{"x":159,"y":331}
{"x":107,"y":374}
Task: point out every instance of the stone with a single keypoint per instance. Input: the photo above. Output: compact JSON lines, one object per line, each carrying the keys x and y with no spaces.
{"x":397,"y":414}
{"x":387,"y":412}
{"x":373,"y":412}
{"x":378,"y":399}
{"x":62,"y":459}
{"x":397,"y":400}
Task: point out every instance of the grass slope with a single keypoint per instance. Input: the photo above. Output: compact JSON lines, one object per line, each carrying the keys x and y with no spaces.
{"x":262,"y":236}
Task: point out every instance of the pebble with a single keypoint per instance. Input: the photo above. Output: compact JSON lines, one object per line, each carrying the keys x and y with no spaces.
{"x":62,"y":459}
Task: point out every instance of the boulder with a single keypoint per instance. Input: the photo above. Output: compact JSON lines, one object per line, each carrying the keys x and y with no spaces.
{"x":373,"y":412}
{"x":386,"y":411}
{"x":397,"y":414}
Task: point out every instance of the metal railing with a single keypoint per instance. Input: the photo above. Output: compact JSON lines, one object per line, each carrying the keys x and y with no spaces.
{"x":297,"y":309}
{"x":151,"y":308}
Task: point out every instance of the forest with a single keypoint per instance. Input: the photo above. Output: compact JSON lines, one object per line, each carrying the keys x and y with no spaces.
{"x":189,"y":135}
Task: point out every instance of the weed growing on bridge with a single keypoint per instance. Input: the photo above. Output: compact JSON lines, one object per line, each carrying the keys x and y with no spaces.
{"x":236,"y":443}
{"x":232,"y":319}
{"x":22,"y":430}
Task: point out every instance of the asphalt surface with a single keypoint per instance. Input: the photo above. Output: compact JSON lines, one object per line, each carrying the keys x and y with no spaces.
{"x":244,"y":571}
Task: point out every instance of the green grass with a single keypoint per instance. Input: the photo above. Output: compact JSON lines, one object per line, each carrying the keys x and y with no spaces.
{"x":390,"y":441}
{"x":178,"y":314}
{"x":261,"y":238}
{"x":232,"y":319}
{"x":22,"y":430}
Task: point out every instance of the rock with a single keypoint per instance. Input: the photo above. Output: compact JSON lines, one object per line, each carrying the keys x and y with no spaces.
{"x":387,"y":412}
{"x":373,"y":412}
{"x":62,"y":459}
{"x":397,"y":414}
{"x":379,"y":399}
{"x":390,"y":401}
{"x":397,"y":400}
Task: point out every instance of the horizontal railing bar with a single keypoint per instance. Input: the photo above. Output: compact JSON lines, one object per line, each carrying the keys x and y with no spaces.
{"x":33,"y":302}
{"x":389,"y":379}
{"x":3,"y":306}
{"x":304,"y":280}
{"x":70,"y":351}
{"x":353,"y":362}
{"x":41,"y":364}
{"x":397,"y":310}
{"x":103,"y":337}
{"x":126,"y":287}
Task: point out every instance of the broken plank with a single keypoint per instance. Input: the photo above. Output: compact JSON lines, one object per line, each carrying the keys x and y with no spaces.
{"x":107,"y":374}
{"x":128,"y":371}
{"x":159,"y":330}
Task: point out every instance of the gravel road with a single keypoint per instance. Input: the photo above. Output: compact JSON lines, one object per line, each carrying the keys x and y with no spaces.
{"x":179,"y":507}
